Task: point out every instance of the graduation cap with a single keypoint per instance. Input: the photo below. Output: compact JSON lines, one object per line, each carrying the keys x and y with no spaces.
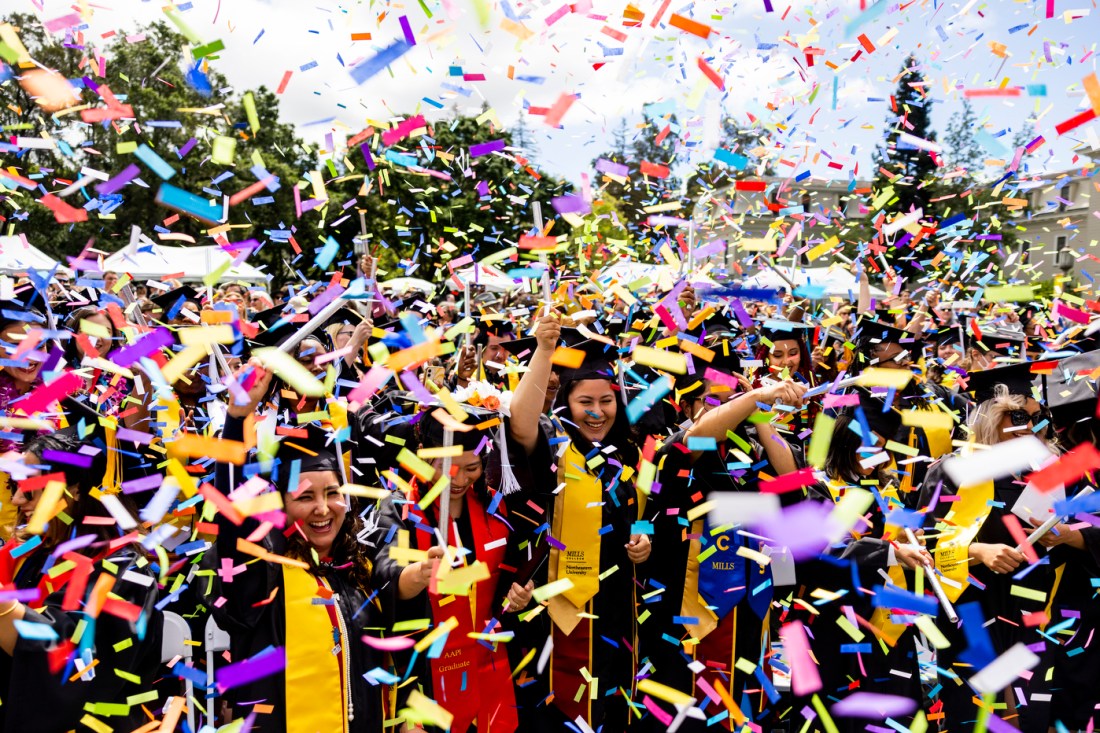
{"x":873,"y":333}
{"x":26,"y":306}
{"x":952,"y":335}
{"x":172,"y":301}
{"x":522,"y":348}
{"x":275,"y":326}
{"x":1002,"y":342}
{"x":341,"y":317}
{"x":1071,"y":395}
{"x":313,"y":457}
{"x":1017,"y":378}
{"x":885,"y":424}
{"x":775,"y":331}
{"x":598,"y":362}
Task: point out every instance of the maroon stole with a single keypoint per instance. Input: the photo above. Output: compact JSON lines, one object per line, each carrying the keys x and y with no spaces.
{"x":473,"y":682}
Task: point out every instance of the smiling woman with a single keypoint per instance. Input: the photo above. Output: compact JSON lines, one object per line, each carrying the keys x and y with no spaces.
{"x":321,"y":591}
{"x":583,"y":490}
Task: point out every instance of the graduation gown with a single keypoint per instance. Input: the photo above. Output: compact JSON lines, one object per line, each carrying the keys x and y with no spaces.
{"x":36,"y":688}
{"x":253,"y":608}
{"x":600,"y":642}
{"x":679,"y":629}
{"x":987,"y":597}
{"x":472,"y":679}
{"x":851,"y":657}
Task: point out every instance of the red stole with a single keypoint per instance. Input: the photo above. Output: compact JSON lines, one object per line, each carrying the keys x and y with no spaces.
{"x":473,"y":682}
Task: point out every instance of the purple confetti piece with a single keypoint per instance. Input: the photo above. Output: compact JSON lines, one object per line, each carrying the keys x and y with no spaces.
{"x":486,"y":148}
{"x":187,"y":146}
{"x":570,"y":204}
{"x":407,"y":30}
{"x":603,"y":165}
{"x":262,"y":665}
{"x":127,"y":355}
{"x":114,"y":185}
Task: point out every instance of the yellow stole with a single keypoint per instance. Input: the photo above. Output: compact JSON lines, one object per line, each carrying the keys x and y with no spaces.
{"x":880,"y":619}
{"x":8,"y":512}
{"x":310,"y":664}
{"x":964,"y":520}
{"x":580,"y":562}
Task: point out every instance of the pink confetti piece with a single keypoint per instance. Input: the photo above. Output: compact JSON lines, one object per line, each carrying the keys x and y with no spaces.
{"x":558,"y":110}
{"x":796,"y":645}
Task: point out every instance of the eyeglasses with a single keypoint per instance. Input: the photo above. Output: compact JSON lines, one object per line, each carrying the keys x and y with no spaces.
{"x":1022,"y":417}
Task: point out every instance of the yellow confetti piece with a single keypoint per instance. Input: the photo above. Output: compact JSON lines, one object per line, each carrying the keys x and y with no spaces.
{"x":665,"y":361}
{"x":1029,"y":593}
{"x":1009,"y":293}
{"x":879,"y":377}
{"x":459,"y":581}
{"x":663,"y":692}
{"x":290,"y":371}
{"x":820,"y":439}
{"x":850,"y":629}
{"x":181,"y":362}
{"x":223,"y":151}
{"x":757,"y":557}
{"x":249,"y":103}
{"x":927,"y":419}
{"x":444,"y":628}
{"x":696,"y":512}
{"x":546,"y":592}
{"x":421,"y":469}
{"x":931,"y":632}
{"x":49,"y":504}
{"x":822,"y":248}
{"x":269,"y":502}
{"x":896,"y":447}
{"x":366,"y":492}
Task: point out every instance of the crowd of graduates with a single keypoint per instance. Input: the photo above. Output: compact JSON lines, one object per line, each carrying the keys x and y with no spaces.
{"x":578,"y":505}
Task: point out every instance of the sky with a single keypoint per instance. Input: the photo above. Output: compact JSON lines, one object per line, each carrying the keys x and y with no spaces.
{"x":518,"y":57}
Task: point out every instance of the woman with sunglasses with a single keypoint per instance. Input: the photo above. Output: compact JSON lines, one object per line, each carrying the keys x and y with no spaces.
{"x":977,"y":553}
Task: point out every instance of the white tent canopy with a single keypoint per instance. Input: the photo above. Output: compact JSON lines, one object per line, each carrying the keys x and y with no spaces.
{"x":487,"y":276}
{"x":17,"y":255}
{"x":187,"y":264}
{"x":663,"y":276}
{"x":834,"y":280}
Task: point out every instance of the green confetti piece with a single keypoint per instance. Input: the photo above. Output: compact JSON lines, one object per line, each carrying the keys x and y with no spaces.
{"x":207,"y":49}
{"x":249,"y":103}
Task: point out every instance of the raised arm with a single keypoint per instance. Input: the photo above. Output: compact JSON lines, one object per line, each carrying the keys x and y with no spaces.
{"x":530,"y":394}
{"x":716,"y":423}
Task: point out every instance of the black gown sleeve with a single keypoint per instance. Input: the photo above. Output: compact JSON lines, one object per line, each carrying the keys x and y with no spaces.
{"x":39,"y":698}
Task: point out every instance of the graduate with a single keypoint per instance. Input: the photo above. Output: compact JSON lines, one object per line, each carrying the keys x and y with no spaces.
{"x":470,"y":678}
{"x":584,"y":504}
{"x":717,"y":599}
{"x":67,"y":618}
{"x":976,"y":552}
{"x":282,"y":606}
{"x":841,"y":585}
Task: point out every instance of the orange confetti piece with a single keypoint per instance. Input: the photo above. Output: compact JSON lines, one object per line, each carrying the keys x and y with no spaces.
{"x":690,"y":26}
{"x":567,"y":357}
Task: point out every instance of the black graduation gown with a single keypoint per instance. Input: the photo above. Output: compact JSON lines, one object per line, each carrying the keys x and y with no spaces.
{"x":253,"y":628}
{"x":846,"y":567}
{"x":36,"y":699}
{"x":1002,"y":611}
{"x":683,"y":486}
{"x":531,"y":512}
{"x":1070,"y":669}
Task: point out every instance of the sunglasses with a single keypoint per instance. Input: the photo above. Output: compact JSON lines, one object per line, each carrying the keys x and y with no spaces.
{"x":1022,"y":417}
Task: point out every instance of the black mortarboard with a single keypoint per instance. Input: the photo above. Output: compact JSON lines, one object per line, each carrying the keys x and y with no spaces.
{"x":522,"y":348}
{"x":952,"y":335}
{"x":26,"y":306}
{"x":726,"y":359}
{"x":1071,"y":395}
{"x":313,"y":457}
{"x":497,"y":328}
{"x":1004,"y":342}
{"x":342,"y":316}
{"x":1016,"y":377}
{"x":170,"y":302}
{"x":597,"y":364}
{"x":719,"y":323}
{"x":873,"y":333}
{"x":883,"y":423}
{"x":431,"y":431}
{"x":275,"y":326}
{"x":774,"y":330}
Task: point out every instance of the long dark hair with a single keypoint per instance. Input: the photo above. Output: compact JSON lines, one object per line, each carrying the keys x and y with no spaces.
{"x":842,"y":460}
{"x":83,"y":480}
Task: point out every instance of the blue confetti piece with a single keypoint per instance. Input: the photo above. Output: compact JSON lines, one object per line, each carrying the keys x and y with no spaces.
{"x":154,"y":162}
{"x":327,"y":254}
{"x":369,"y":67}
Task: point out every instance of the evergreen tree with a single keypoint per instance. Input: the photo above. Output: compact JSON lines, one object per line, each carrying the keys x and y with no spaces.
{"x":961,"y":148}
{"x":905,"y":176}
